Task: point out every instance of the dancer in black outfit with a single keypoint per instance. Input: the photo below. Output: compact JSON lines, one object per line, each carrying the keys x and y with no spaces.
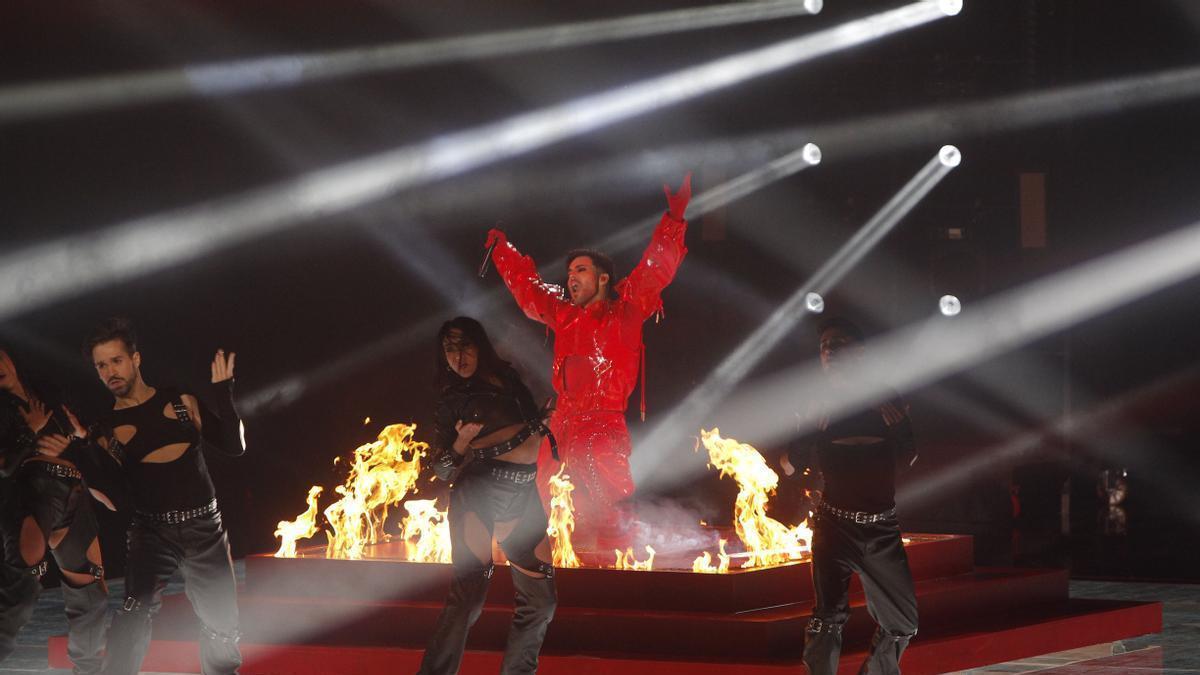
{"x":152,"y":442}
{"x":487,"y":436}
{"x":44,"y":503}
{"x":855,"y":527}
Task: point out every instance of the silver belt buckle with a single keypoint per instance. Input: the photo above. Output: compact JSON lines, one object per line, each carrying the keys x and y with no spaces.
{"x":861,"y":517}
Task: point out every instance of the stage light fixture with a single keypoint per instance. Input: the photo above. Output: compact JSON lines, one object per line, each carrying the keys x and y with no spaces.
{"x":950,"y":7}
{"x":814,"y":303}
{"x":949,"y":156}
{"x":949,"y":305}
{"x":812,"y":154}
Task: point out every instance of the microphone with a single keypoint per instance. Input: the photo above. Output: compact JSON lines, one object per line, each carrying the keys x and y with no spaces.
{"x":487,"y":256}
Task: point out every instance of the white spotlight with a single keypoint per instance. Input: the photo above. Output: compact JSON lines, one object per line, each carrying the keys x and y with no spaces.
{"x":814,"y":6}
{"x":811,"y":154}
{"x":814,"y":303}
{"x":948,"y":7}
{"x":949,"y":305}
{"x":949,"y":156}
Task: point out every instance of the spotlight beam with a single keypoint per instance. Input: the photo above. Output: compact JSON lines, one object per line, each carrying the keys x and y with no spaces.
{"x":853,"y":138}
{"x":458,"y":288}
{"x":719,"y":196}
{"x":284,"y":392}
{"x":885,"y":133}
{"x":288,"y":70}
{"x":690,"y":413}
{"x":935,"y":348}
{"x":1081,"y":427}
{"x":42,"y":274}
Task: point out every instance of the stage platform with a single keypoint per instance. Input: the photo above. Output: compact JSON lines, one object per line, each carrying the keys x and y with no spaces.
{"x":310,"y":615}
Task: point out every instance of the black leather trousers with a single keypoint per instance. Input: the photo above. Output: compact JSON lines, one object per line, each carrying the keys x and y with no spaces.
{"x":199,"y":548}
{"x":54,"y":501}
{"x":478,"y":500}
{"x":876,"y":553}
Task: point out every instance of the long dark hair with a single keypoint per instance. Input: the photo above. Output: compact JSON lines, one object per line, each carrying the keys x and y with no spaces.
{"x":35,"y":387}
{"x":490,"y":363}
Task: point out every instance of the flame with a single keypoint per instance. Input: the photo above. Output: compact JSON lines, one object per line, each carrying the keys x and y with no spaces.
{"x":562,"y":519}
{"x":767,"y":541}
{"x":627,"y":561}
{"x":426,"y":532}
{"x":303,"y":527}
{"x":381,"y":475}
{"x":703,"y":563}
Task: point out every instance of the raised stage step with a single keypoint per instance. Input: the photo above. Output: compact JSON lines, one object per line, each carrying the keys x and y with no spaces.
{"x":773,"y":632}
{"x":383,"y":577}
{"x":1003,"y":637}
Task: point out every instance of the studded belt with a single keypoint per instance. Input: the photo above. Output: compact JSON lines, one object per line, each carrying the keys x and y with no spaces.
{"x":518,"y":476}
{"x":59,"y":470}
{"x":506,"y":446}
{"x":858,"y":517}
{"x":177,"y":517}
{"x":519,"y":438}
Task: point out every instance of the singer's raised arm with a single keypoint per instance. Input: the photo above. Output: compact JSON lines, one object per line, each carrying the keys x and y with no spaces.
{"x":539,"y":300}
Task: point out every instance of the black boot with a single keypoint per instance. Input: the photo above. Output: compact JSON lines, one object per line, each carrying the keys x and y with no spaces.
{"x":535,"y":603}
{"x":85,"y":608}
{"x":19,"y":587}
{"x":444,"y":652}
{"x":822,"y":646}
{"x":883,"y":658}
{"x":128,"y":638}
{"x":219,"y":652}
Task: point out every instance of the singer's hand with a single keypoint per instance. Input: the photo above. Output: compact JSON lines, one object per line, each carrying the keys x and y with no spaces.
{"x":495,"y":237}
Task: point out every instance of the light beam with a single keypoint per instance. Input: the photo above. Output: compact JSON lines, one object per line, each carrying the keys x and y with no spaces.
{"x":41,"y":274}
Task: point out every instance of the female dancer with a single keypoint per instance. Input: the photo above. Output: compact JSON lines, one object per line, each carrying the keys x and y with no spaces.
{"x":487,"y":434}
{"x":46,"y":504}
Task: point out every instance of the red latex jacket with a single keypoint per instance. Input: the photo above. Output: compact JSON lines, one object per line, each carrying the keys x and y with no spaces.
{"x":598,"y":349}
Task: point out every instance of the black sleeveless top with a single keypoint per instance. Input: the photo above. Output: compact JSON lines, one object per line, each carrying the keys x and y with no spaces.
{"x":177,"y":485}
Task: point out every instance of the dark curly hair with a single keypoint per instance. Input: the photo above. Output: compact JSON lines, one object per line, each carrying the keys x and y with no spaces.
{"x":114,"y":328}
{"x":473,"y":333}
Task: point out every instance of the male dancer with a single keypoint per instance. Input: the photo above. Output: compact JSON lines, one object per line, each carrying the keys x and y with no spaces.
{"x":155,"y":438}
{"x":855,"y":527}
{"x":597,"y":353}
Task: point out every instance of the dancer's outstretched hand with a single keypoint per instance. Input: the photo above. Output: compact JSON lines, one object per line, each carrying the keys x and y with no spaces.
{"x":222,"y":366}
{"x":677,"y":203}
{"x":892,"y":414}
{"x":495,"y":237}
{"x":79,"y":431}
{"x":36,"y":415}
